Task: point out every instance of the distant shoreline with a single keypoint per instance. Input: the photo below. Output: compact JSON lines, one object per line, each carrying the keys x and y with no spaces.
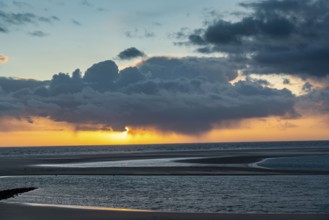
{"x":168,"y":144}
{"x":221,"y":162}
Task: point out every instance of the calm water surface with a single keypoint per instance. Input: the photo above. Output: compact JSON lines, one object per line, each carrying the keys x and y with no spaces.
{"x":78,"y":150}
{"x":222,"y":194}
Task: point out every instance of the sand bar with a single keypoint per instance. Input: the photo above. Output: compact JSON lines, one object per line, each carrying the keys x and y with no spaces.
{"x":213,"y":163}
{"x":234,"y":163}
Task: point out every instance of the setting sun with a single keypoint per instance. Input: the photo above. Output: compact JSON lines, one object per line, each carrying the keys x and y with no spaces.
{"x":164,"y":109}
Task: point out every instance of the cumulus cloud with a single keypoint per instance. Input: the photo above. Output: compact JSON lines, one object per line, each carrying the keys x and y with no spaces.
{"x":277,"y":36}
{"x":130,"y":53}
{"x":185,"y":95}
{"x":12,"y":85}
{"x":212,"y":69}
{"x":3,"y":59}
{"x":101,"y":75}
{"x":316,"y":102}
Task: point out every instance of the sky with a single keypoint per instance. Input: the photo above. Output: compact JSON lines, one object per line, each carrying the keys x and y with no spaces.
{"x":108,"y":72}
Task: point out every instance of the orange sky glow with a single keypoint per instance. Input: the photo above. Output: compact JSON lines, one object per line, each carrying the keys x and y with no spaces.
{"x":207,"y":72}
{"x":44,"y":132}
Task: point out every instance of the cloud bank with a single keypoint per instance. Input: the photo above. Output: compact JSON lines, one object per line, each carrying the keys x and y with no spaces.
{"x":277,"y":36}
{"x":183,"y":95}
{"x":189,"y":95}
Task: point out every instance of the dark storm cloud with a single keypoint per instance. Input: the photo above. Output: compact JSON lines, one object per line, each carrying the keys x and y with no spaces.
{"x":315,"y":102}
{"x":128,"y":76}
{"x":130,"y":53}
{"x":10,"y":19}
{"x":185,"y":95}
{"x":213,"y":69}
{"x":10,"y":108}
{"x":102,"y":75}
{"x":9,"y":88}
{"x":10,"y":85}
{"x":278,"y":36}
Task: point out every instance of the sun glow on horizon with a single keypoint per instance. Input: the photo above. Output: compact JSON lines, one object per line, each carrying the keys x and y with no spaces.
{"x":44,"y":132}
{"x":119,"y":135}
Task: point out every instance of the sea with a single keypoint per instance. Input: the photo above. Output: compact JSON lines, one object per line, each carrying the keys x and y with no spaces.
{"x":297,"y":194}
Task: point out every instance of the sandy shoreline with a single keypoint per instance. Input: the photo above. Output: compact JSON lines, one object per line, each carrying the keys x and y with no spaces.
{"x":217,"y":163}
{"x":13,"y":211}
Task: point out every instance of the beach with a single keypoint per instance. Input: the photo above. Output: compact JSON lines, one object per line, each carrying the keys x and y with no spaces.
{"x":230,"y":163}
{"x":224,"y":162}
{"x":30,"y":212}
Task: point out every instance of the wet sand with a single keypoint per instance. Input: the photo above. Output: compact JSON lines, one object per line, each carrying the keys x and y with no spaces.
{"x":213,"y":163}
{"x":9,"y":211}
{"x":217,"y":163}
